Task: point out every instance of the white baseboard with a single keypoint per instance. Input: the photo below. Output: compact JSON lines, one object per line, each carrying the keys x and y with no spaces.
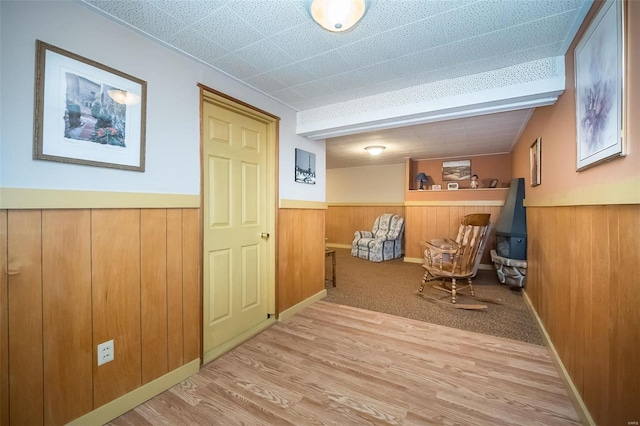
{"x":572,"y":391}
{"x":285,"y":315}
{"x":119,"y":406}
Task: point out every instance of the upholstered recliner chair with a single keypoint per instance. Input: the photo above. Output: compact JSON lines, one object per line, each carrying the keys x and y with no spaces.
{"x":384,"y":242}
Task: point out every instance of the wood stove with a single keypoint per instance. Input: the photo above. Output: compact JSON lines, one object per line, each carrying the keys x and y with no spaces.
{"x":510,"y":255}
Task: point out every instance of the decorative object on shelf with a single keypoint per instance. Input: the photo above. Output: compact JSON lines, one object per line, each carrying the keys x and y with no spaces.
{"x":375,"y":149}
{"x":452,"y":185}
{"x":305,"y":167}
{"x":422,"y":178}
{"x":535,"y":166}
{"x":87,"y":113}
{"x":456,"y":170}
{"x":337,"y":15}
{"x":474,"y":182}
{"x":600,"y":104}
{"x":436,"y":187}
{"x":493,"y":183}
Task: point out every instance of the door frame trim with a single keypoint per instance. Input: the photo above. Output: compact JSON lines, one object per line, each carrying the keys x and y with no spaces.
{"x":207,"y":94}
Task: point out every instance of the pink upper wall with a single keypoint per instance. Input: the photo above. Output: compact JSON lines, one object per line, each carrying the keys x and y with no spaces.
{"x":487,"y":167}
{"x":614,"y":182}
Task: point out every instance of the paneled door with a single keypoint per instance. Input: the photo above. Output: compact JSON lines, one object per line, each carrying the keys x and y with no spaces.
{"x":238,"y":226}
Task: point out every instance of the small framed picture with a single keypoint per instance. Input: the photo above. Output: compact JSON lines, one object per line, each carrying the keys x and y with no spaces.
{"x":305,"y":167}
{"x":534,"y":162}
{"x":493,"y":183}
{"x":452,"y":185}
{"x":436,"y":187}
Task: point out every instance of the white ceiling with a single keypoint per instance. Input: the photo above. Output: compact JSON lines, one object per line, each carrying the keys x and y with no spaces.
{"x":275,"y":47}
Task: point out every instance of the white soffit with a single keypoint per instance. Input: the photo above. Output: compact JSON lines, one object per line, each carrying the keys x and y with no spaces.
{"x":528,"y":85}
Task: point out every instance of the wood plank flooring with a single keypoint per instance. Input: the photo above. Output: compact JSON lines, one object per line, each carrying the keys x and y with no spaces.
{"x":338,"y":365}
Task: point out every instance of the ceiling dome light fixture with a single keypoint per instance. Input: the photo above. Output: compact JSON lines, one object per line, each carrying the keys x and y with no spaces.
{"x":375,"y":149}
{"x":337,"y":15}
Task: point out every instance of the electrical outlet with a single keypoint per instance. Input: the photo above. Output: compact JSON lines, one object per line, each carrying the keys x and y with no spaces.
{"x":105,"y":352}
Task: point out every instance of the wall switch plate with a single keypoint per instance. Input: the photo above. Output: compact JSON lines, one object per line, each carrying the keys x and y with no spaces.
{"x":105,"y":352}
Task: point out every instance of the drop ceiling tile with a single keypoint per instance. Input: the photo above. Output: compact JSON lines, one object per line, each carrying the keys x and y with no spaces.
{"x":269,"y":17}
{"x":345,"y":81}
{"x":516,"y":13}
{"x":191,"y":42}
{"x":264,"y":55}
{"x":326,"y":65}
{"x":228,"y":30}
{"x":189,"y":11}
{"x":265,"y":83}
{"x":236,"y":66}
{"x":302,"y":42}
{"x":544,"y":31}
{"x":314,"y":89}
{"x":288,"y":96}
{"x":368,"y":52}
{"x":291,"y":75}
{"x":143,"y":16}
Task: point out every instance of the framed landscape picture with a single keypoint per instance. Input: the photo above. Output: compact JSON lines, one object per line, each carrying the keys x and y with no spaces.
{"x":456,"y":170}
{"x":87,"y":113}
{"x":599,"y":71}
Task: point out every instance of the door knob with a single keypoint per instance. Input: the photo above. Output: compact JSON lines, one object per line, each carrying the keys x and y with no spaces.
{"x":264,"y":235}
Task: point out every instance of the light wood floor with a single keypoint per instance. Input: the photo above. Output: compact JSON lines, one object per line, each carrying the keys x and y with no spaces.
{"x":337,"y":365}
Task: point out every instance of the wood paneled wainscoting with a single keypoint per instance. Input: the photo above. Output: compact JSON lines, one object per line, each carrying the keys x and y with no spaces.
{"x":300,"y":255}
{"x":583,"y":284}
{"x":344,"y":219}
{"x":74,"y":278}
{"x":428,"y":221}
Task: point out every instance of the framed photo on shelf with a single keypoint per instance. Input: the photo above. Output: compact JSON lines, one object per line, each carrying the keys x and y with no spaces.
{"x":453,"y":185}
{"x":87,"y":113}
{"x":534,"y":162}
{"x":599,"y":74}
{"x":493,"y":183}
{"x":456,"y":170}
{"x":436,"y":187}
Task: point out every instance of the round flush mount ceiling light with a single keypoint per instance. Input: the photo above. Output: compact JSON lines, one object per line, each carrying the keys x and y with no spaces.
{"x":375,"y":150}
{"x":337,"y":15}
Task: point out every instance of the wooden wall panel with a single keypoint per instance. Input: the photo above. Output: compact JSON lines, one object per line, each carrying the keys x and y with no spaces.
{"x":625,"y":307}
{"x":85,"y":275}
{"x":175,"y":331}
{"x":424,"y":223}
{"x":26,"y":398}
{"x":4,"y":323}
{"x":191,"y":282}
{"x":301,"y":255}
{"x":343,"y":221}
{"x":153,"y":293}
{"x":116,"y":300}
{"x":66,"y":287}
{"x":581,"y":282}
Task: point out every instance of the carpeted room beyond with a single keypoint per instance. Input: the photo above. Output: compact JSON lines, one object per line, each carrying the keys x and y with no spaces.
{"x":390,"y":287}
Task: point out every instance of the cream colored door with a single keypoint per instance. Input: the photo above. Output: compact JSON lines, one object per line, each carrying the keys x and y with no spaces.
{"x":238,"y":294}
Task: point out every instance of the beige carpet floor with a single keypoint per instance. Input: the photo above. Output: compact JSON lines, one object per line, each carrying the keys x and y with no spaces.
{"x":390,"y":287}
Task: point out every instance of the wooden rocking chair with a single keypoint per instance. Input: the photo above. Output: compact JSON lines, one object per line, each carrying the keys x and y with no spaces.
{"x":454,"y":260}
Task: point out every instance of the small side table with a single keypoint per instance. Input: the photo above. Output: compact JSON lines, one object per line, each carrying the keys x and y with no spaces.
{"x":332,"y":254}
